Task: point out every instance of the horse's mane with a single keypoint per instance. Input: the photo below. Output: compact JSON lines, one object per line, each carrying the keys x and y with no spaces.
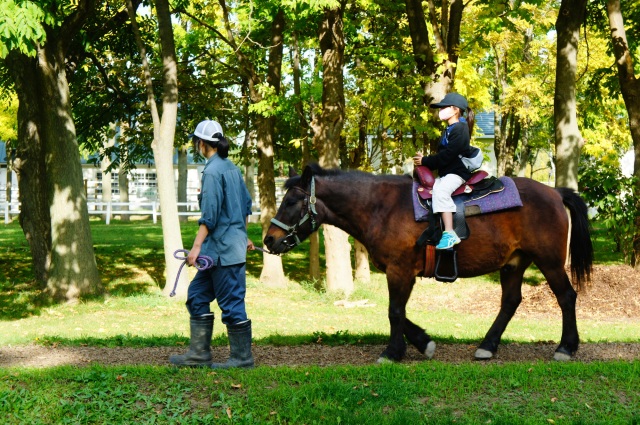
{"x":337,"y":172}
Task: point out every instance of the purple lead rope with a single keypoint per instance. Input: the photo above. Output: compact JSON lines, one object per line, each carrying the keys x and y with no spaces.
{"x":203,"y":262}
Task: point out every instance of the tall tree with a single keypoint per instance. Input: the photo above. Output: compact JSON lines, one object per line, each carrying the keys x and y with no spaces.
{"x":568,"y":139}
{"x":303,"y":132}
{"x":630,"y":88}
{"x":272,"y":271}
{"x":327,"y":133}
{"x":54,"y":214}
{"x":163,"y":135}
{"x":437,"y":65}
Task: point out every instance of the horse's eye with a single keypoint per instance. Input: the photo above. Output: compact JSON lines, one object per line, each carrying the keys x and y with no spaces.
{"x":290,"y":202}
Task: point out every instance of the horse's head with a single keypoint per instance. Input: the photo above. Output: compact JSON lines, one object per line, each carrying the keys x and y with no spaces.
{"x":297,"y":216}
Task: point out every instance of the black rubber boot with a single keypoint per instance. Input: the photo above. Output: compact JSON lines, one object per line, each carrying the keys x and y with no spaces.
{"x":199,"y":353}
{"x":240,"y":347}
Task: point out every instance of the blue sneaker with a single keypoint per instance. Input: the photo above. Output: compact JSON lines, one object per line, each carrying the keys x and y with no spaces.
{"x":448,"y":240}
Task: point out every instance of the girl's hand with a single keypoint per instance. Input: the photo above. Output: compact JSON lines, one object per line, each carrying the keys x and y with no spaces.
{"x":417,"y":160}
{"x":250,"y":245}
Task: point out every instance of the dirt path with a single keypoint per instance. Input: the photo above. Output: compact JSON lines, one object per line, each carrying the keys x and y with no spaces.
{"x":320,"y":355}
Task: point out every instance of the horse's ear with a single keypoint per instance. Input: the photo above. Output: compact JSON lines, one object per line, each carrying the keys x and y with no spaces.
{"x":307,"y":174}
{"x":292,"y":172}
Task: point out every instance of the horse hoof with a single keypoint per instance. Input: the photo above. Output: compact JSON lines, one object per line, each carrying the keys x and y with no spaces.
{"x":384,"y":360}
{"x":430,"y":350}
{"x":561,"y":357}
{"x":482,"y":354}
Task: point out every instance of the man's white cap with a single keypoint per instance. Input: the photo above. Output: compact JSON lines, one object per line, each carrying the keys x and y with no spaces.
{"x":207,"y":129}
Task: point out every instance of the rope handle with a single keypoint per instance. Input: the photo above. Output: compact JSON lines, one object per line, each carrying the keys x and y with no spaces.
{"x":203,"y":262}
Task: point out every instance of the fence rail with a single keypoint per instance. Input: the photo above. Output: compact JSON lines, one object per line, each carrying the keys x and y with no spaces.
{"x":109,"y":209}
{"x":8,"y":209}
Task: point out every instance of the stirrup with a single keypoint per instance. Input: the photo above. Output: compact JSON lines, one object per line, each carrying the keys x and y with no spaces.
{"x":454,"y":260}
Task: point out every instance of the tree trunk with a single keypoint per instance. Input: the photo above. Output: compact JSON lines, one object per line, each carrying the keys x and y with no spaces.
{"x":163,"y":150}
{"x":249,"y":173}
{"x":183,"y":177}
{"x":327,"y":131}
{"x":439,"y":76}
{"x":508,"y":128}
{"x":30,"y":167}
{"x":163,"y":134}
{"x":8,"y":184}
{"x":303,"y":133}
{"x":51,"y":177}
{"x":567,"y":135}
{"x":123,"y":181}
{"x":363,"y":271}
{"x":513,"y":137}
{"x":272,"y":271}
{"x":630,"y":87}
{"x":105,"y":164}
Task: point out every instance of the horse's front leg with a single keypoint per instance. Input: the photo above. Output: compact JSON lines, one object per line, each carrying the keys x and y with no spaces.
{"x":419,"y":338}
{"x":399,"y":286}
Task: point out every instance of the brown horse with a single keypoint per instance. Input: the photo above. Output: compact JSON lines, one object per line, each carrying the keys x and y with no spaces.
{"x":378,"y":212}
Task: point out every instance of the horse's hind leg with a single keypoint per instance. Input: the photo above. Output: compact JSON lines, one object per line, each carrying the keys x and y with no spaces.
{"x":511,"y":281}
{"x":419,"y":338}
{"x":565,"y":294}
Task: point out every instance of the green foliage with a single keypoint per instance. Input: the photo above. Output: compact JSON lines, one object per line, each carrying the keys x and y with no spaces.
{"x":21,"y":27}
{"x":8,"y":118}
{"x":608,"y":191}
{"x":268,"y":106}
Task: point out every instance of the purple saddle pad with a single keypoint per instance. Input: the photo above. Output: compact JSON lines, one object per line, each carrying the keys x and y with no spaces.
{"x":507,"y":198}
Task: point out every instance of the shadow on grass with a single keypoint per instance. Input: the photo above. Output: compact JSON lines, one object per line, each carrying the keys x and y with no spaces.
{"x":18,"y":301}
{"x":129,"y":258}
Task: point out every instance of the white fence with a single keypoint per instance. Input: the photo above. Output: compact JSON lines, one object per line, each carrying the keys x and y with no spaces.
{"x":7,"y":209}
{"x":109,"y":209}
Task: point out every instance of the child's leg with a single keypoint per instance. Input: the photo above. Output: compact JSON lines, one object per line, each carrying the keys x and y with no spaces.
{"x":447,"y":220}
{"x":442,"y":202}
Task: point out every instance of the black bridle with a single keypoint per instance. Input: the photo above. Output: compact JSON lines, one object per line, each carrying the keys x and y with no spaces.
{"x":291,"y":240}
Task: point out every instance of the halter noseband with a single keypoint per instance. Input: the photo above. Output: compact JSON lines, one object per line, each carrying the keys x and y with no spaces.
{"x":292,"y":240}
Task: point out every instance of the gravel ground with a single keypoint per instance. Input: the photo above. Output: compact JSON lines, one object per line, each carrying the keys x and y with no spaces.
{"x":320,"y":355}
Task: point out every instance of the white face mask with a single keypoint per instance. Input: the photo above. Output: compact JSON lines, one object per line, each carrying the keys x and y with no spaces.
{"x":446,"y":113}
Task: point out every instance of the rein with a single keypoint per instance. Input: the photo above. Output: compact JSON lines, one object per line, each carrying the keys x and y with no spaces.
{"x":203,"y":262}
{"x":291,"y":239}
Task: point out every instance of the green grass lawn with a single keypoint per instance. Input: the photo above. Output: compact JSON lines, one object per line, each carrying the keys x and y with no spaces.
{"x":130,"y":256}
{"x":135,"y":313}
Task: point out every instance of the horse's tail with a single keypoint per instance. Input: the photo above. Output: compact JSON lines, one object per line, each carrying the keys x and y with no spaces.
{"x":580,"y":246}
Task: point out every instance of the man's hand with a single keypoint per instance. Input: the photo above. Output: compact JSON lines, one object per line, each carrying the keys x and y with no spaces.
{"x":193,"y":255}
{"x":250,"y":245}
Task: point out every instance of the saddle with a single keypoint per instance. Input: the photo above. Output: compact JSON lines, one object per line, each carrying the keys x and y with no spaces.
{"x":425,"y":179}
{"x":443,"y":264}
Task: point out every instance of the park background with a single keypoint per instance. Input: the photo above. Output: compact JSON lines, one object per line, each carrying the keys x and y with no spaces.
{"x":118,"y":86}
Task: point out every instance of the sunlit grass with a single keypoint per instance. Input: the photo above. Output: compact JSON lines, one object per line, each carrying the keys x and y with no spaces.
{"x":130,"y":259}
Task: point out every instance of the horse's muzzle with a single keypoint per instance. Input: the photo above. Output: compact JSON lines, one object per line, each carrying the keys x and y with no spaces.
{"x":278,"y":246}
